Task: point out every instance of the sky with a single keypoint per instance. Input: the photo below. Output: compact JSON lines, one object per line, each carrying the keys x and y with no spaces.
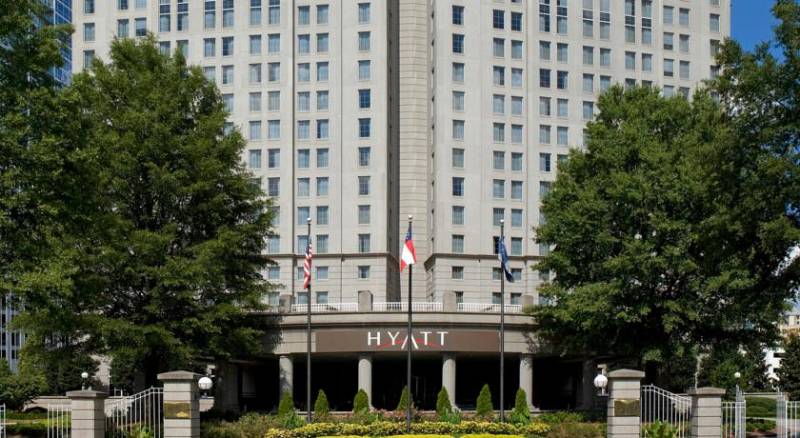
{"x":752,"y":21}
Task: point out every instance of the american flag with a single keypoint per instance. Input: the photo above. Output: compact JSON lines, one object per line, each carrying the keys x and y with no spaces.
{"x":307,"y":266}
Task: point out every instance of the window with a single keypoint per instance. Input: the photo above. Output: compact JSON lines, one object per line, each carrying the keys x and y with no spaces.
{"x":499,"y":104}
{"x":304,"y":72}
{"x":516,"y":105}
{"x":274,"y":12}
{"x":684,"y":69}
{"x":669,"y":41}
{"x":458,"y":72}
{"x":516,"y":134}
{"x":516,"y":49}
{"x":364,"y":156}
{"x":227,"y":74}
{"x":274,"y":43}
{"x":669,"y":68}
{"x":322,"y":100}
{"x":561,"y":17}
{"x":605,"y":57}
{"x":322,"y":43}
{"x":544,"y":134}
{"x":458,"y":43}
{"x":322,"y":215}
{"x":588,"y":15}
{"x":516,"y":246}
{"x":498,"y":19}
{"x":458,"y":101}
{"x":562,"y":136}
{"x":323,"y":129}
{"x":273,"y":186}
{"x":273,"y":273}
{"x":255,"y":73}
{"x":544,"y":15}
{"x":457,"y":243}
{"x":630,"y":60}
{"x":322,"y":158}
{"x":588,"y":55}
{"x":458,"y":15}
{"x":544,"y":106}
{"x":164,"y":17}
{"x":303,"y":187}
{"x":274,"y":129}
{"x":605,"y":19}
{"x":303,"y":15}
{"x":255,"y":12}
{"x":210,"y":73}
{"x":322,"y":274}
{"x":544,"y":50}
{"x":255,"y":101}
{"x":668,"y":13}
{"x":544,"y":162}
{"x":323,"y":185}
{"x":363,"y":41}
{"x":516,"y":161}
{"x":363,"y":185}
{"x":588,"y":110}
{"x":255,"y":44}
{"x":562,"y":80}
{"x":498,"y":215}
{"x":304,"y":44}
{"x":183,"y":15}
{"x":588,"y":83}
{"x":457,"y":272}
{"x":499,"y":160}
{"x":364,"y":245}
{"x":363,"y":272}
{"x":88,"y":6}
{"x":363,"y":70}
{"x":227,"y":13}
{"x":498,"y":188}
{"x":683,"y":43}
{"x":227,"y":99}
{"x":303,"y":215}
{"x":274,"y":245}
{"x":209,"y":14}
{"x":322,"y":14}
{"x":304,"y":101}
{"x":122,"y":28}
{"x":499,"y":132}
{"x":273,"y":158}
{"x":647,"y":62}
{"x":364,"y":99}
{"x":499,"y":75}
{"x":227,"y":46}
{"x":363,"y":214}
{"x":457,"y":215}
{"x":458,"y":186}
{"x":516,"y":77}
{"x":713,"y":22}
{"x":562,"y":52}
{"x":88,"y":32}
{"x":364,"y":128}
{"x":363,"y":13}
{"x":303,"y":129}
{"x":516,"y":21}
{"x":544,"y":78}
{"x":516,"y":190}
{"x":457,"y":158}
{"x":322,"y":71}
{"x":255,"y":130}
{"x":303,"y":158}
{"x":498,"y":45}
{"x":683,"y":17}
{"x":122,"y":5}
{"x":458,"y":130}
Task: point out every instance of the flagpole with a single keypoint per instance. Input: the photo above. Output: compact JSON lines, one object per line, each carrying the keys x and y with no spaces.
{"x":409,"y":341}
{"x":308,"y":333}
{"x":502,"y":323}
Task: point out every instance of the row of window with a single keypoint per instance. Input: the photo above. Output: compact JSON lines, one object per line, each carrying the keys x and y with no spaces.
{"x":320,"y":245}
{"x":304,"y":160}
{"x":364,"y":214}
{"x":322,"y":185}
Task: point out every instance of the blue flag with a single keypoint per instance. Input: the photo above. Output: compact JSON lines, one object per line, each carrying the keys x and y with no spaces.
{"x":502,"y":255}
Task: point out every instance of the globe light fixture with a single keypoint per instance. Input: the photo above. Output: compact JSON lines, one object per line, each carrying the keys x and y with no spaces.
{"x":84,"y":378}
{"x":205,"y":383}
{"x":600,"y":382}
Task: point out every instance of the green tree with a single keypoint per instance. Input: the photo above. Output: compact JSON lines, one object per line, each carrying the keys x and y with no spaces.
{"x":403,"y":403}
{"x":483,"y":407}
{"x":286,"y":405}
{"x":521,"y":413}
{"x":321,"y":408}
{"x":718,"y":368}
{"x":20,"y":388}
{"x":360,"y":403}
{"x":789,"y":371}
{"x":662,"y":238}
{"x":443,"y":407}
{"x":159,"y":254}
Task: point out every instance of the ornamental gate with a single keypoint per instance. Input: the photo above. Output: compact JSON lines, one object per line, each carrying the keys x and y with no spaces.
{"x":733,"y":417}
{"x":59,"y":421}
{"x":661,"y":406}
{"x":3,"y":421}
{"x":788,"y":418}
{"x":140,"y":414}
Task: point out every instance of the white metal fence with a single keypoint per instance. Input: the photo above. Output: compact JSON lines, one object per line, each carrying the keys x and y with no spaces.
{"x":59,"y":424}
{"x":3,"y":421}
{"x":138,"y":414}
{"x":402,"y":306}
{"x":659,"y":405}
{"x":325,"y":308}
{"x":788,"y":418}
{"x":488,"y":308}
{"x":733,"y":417}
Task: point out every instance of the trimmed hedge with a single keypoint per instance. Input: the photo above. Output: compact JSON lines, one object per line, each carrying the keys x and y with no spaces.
{"x":388,"y":428}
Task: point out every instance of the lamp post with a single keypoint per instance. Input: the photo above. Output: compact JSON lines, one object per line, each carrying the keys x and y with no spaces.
{"x":601,"y":382}
{"x":205,"y":384}
{"x":84,"y":380}
{"x":502,"y":324}
{"x":737,"y":375}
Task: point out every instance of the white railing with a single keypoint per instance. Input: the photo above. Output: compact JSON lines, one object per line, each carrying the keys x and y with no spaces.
{"x":788,"y":416}
{"x":3,"y":421}
{"x":402,"y":306}
{"x":733,"y":418}
{"x":59,"y":424}
{"x":325,"y":308}
{"x":488,"y":308}
{"x":138,"y":414}
{"x":659,"y":405}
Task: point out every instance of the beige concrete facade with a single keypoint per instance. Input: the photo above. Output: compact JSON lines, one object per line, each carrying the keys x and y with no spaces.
{"x":471,"y":104}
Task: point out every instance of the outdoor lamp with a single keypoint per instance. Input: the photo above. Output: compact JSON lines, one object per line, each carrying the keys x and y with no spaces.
{"x":84,"y":377}
{"x":600,"y":382}
{"x":205,"y":383}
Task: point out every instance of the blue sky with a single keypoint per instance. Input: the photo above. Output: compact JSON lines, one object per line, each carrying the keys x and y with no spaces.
{"x":752,"y":21}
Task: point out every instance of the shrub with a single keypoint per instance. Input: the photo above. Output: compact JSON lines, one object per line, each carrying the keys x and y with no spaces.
{"x":392,"y":428}
{"x":361,"y":403}
{"x":521,"y":414}
{"x":761,"y":407}
{"x":401,"y":405}
{"x":484,"y":409}
{"x":575,"y":430}
{"x":759,"y":425}
{"x":30,"y":430}
{"x":660,"y":430}
{"x":443,"y":407}
{"x":559,"y":417}
{"x":286,"y":405}
{"x":487,"y":435}
{"x":321,"y":408}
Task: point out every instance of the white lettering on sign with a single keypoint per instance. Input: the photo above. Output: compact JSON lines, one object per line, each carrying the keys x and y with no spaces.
{"x":399,"y":339}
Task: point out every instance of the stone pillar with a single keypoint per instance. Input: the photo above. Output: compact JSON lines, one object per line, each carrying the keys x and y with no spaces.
{"x":365,"y":374}
{"x":285,"y":302}
{"x":588,"y":374}
{"x":449,"y":376}
{"x":286,"y":375}
{"x":88,"y":417}
{"x":181,"y":404}
{"x":706,"y":412}
{"x":526,"y":377}
{"x":364,"y":301}
{"x":624,"y":401}
{"x":449,"y":301}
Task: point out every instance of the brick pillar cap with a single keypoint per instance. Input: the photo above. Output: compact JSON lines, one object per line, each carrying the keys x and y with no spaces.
{"x":626,"y":374}
{"x":706,"y":392}
{"x":178,"y":375}
{"x":86,"y":394}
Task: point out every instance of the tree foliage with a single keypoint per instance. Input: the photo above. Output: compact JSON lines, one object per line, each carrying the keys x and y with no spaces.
{"x":22,"y":387}
{"x":322,"y":409}
{"x":483,"y":406}
{"x":668,"y":232}
{"x":789,"y":371}
{"x":158,"y":249}
{"x":718,"y":368}
{"x":402,"y":404}
{"x":443,"y":407}
{"x":521,"y":413}
{"x":361,"y":403}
